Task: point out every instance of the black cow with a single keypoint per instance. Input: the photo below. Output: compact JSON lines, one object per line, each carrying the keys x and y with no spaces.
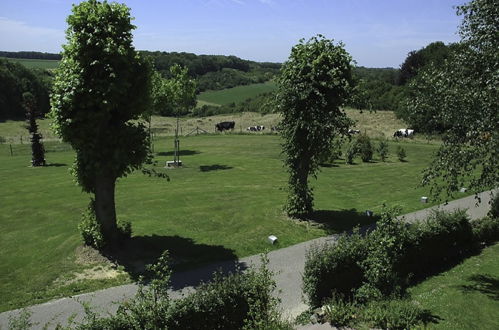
{"x":225,"y":126}
{"x":257,"y":128}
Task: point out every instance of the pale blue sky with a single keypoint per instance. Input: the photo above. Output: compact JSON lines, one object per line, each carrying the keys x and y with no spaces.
{"x":377,"y":33}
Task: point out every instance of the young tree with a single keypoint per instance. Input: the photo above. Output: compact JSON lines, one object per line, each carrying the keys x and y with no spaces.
{"x":382,"y":150}
{"x":464,"y":94}
{"x":100,"y":90}
{"x":37,"y":149}
{"x":314,"y":83}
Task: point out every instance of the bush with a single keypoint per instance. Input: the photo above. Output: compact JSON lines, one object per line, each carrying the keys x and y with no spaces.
{"x":494,"y":208}
{"x":125,"y":229}
{"x":2,"y":140}
{"x":401,"y":155}
{"x":339,"y":311}
{"x":486,"y":230}
{"x":382,"y":150}
{"x":351,"y":152}
{"x":333,"y":269}
{"x":393,"y":314}
{"x":236,"y":301}
{"x":90,"y":229}
{"x":365,"y":147}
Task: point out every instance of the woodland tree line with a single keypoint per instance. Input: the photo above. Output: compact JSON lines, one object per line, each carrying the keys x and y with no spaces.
{"x":375,"y":88}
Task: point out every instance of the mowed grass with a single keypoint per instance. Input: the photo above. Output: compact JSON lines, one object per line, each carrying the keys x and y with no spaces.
{"x":223,"y":204}
{"x":464,"y":297}
{"x":235,"y":94}
{"x":36,"y":63}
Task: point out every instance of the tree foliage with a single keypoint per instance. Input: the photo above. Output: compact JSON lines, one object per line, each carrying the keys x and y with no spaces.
{"x":314,"y":82}
{"x":37,"y":149}
{"x":464,"y":93}
{"x":101,"y":89}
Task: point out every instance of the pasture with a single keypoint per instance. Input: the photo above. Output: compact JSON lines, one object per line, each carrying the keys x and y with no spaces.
{"x":235,"y":94}
{"x":223,"y":204}
{"x":36,"y":63}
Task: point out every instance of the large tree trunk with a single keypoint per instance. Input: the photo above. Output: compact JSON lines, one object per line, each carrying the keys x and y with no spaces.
{"x":105,"y":210}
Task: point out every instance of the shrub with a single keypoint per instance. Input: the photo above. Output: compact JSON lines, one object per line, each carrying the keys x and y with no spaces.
{"x":486,"y":230}
{"x":393,"y":314}
{"x":401,"y":155}
{"x":90,"y":229}
{"x":351,"y":152}
{"x":382,"y":150}
{"x":2,"y":140}
{"x":236,"y":301}
{"x":494,"y":207}
{"x":365,"y":147}
{"x":125,"y":229}
{"x":339,"y":311}
{"x":333,"y":268}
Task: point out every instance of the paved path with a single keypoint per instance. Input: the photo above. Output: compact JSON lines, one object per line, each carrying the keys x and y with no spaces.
{"x":287,"y":263}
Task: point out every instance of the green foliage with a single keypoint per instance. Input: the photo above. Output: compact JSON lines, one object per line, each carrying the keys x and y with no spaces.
{"x":37,"y":149}
{"x":462,"y":93}
{"x":102,"y":88}
{"x":383,"y":263}
{"x":494,"y":207}
{"x":235,"y":301}
{"x":401,"y":154}
{"x":334,"y":153}
{"x":15,"y":80}
{"x":22,"y":321}
{"x":364,"y":147}
{"x":314,"y":83}
{"x":339,"y":311}
{"x":351,"y":151}
{"x":394,"y":314}
{"x":486,"y":230}
{"x":90,"y":229}
{"x":382,"y":150}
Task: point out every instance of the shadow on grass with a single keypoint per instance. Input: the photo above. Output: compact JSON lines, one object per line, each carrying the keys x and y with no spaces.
{"x":215,"y":167}
{"x":56,"y":165}
{"x":486,"y":284}
{"x":181,"y":153}
{"x":338,"y":221}
{"x":139,"y":251}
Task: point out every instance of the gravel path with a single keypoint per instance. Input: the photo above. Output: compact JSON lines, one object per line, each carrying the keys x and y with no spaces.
{"x":287,"y":263}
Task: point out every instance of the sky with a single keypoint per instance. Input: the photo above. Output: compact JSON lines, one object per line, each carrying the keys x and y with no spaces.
{"x":377,"y":33}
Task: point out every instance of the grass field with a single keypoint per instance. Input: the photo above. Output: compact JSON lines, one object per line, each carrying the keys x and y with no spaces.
{"x":223,"y":204}
{"x":36,"y":63}
{"x":466,"y":296}
{"x":375,"y":124}
{"x":235,"y":94}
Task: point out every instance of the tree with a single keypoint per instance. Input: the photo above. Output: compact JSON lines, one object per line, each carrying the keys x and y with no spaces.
{"x":101,"y":88}
{"x":464,"y":94}
{"x":382,"y":150}
{"x":37,"y":149}
{"x":313,"y":84}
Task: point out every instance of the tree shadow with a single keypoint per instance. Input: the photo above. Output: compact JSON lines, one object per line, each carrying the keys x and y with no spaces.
{"x":486,"y":284}
{"x":328,"y":165}
{"x":181,"y":153}
{"x":215,"y":167}
{"x":338,"y":221}
{"x":139,"y":251}
{"x":56,"y":165}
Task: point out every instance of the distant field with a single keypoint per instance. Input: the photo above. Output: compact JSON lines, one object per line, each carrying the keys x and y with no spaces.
{"x":236,"y":94}
{"x":34,"y":63}
{"x":375,"y":124}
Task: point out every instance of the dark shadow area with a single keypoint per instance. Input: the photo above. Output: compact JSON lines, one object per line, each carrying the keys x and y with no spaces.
{"x":56,"y":165}
{"x":139,"y":251}
{"x":338,"y":221}
{"x":215,"y":167}
{"x":486,"y":284}
{"x":181,"y":153}
{"x":328,"y":165}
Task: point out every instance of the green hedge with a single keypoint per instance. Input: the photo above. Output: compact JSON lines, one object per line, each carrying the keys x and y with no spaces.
{"x":383,"y":262}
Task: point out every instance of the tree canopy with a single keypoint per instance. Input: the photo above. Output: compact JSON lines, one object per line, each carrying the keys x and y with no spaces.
{"x":463,"y":94}
{"x":314,"y":82}
{"x":102,"y":87}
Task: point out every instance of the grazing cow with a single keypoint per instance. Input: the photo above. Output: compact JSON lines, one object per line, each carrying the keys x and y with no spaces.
{"x":404,"y":132}
{"x":256,"y":128}
{"x":225,"y":126}
{"x":353,"y":131}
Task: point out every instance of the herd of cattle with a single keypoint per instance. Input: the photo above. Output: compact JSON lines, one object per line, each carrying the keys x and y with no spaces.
{"x":229,"y":125}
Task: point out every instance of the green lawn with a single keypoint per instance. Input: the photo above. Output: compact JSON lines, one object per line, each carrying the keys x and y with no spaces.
{"x":223,"y":204}
{"x":37,"y":63}
{"x":466,"y":296}
{"x":235,"y":94}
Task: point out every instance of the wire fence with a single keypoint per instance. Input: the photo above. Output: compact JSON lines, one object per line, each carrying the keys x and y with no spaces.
{"x":24,"y":149}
